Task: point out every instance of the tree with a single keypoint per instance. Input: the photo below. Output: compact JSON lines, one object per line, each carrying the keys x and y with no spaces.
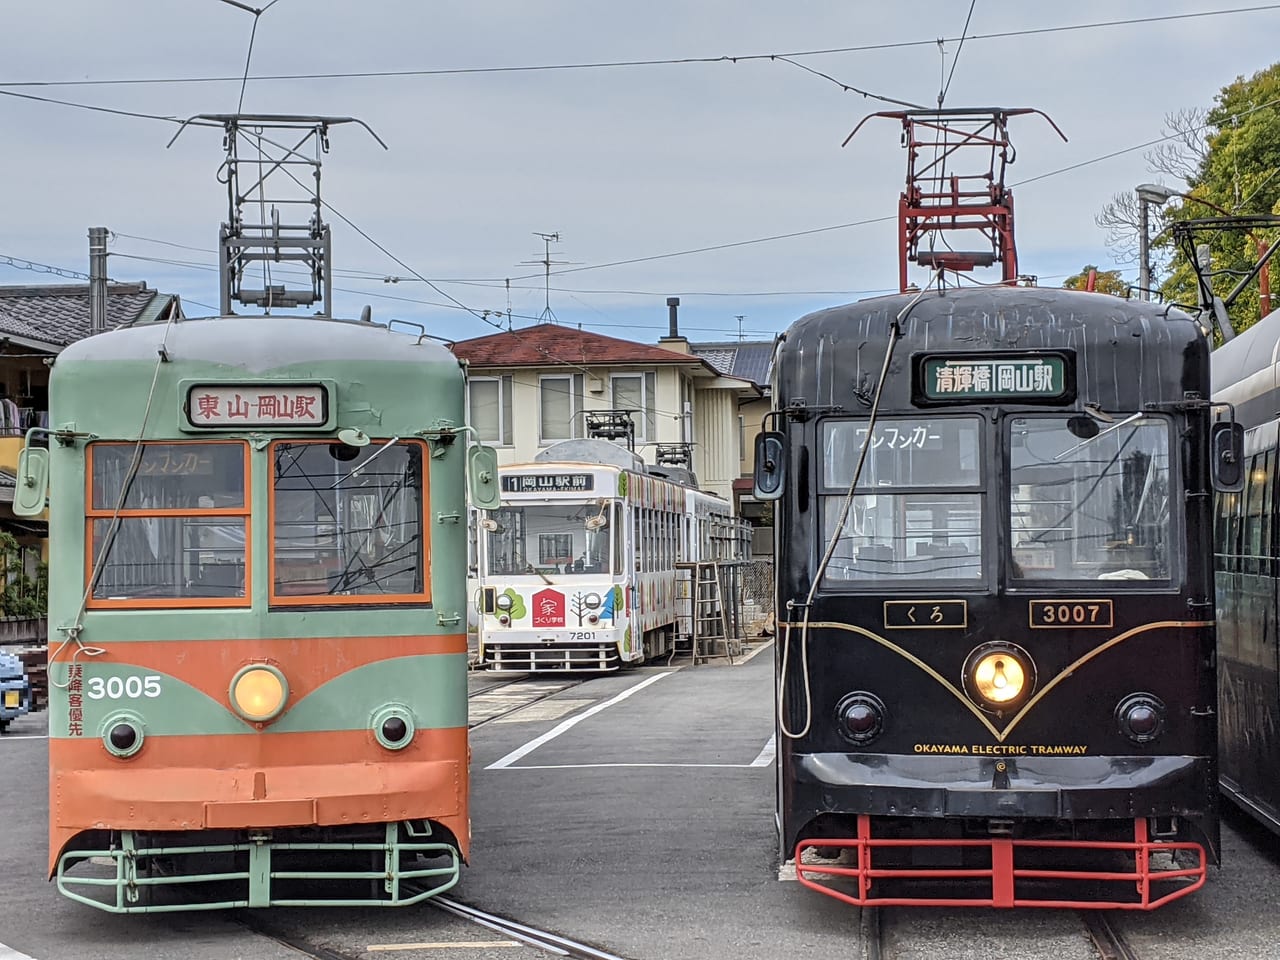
{"x":1239,"y":174}
{"x":1105,"y":281}
{"x":1179,"y":157}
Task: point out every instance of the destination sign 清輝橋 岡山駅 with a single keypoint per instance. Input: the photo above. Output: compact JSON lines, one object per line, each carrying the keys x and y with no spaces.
{"x":543,"y":482}
{"x":1010,"y":377}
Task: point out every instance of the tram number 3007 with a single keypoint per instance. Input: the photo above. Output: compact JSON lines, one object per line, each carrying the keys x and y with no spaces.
{"x":1078,"y":613}
{"x":122,"y":688}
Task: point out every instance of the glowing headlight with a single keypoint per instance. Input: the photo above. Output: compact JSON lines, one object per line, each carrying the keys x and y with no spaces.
{"x":592,"y":600}
{"x":999,"y":675}
{"x":258,"y":693}
{"x":504,"y":602}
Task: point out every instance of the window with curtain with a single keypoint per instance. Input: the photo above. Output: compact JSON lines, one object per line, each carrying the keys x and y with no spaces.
{"x":560,"y":406}
{"x":490,"y":409}
{"x":636,"y":391}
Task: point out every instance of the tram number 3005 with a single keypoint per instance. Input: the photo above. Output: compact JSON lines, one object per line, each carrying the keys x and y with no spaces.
{"x":1070,"y":613}
{"x":122,"y":688}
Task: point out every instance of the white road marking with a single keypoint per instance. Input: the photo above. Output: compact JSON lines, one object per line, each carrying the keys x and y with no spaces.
{"x":543,"y":711}
{"x":572,"y":722}
{"x":22,"y":736}
{"x":591,"y":766}
{"x":760,"y":649}
{"x":8,"y":953}
{"x":438,"y":945}
{"x":767,"y":753}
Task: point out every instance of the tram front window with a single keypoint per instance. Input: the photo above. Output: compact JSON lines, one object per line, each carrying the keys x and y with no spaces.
{"x":347,"y":522}
{"x":167,"y":523}
{"x":546,"y":538}
{"x":1089,"y":500}
{"x":918,"y":510}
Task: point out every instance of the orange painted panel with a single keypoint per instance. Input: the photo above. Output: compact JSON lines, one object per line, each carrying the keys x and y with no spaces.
{"x":298,"y":779}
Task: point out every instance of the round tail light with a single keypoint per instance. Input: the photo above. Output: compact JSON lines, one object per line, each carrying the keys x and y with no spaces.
{"x":1141,"y":717}
{"x":860,"y":717}
{"x":122,"y":735}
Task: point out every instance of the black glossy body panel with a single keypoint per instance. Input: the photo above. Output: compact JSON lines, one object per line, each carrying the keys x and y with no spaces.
{"x":1056,"y":764}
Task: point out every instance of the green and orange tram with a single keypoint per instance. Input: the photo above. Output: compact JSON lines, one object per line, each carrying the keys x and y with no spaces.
{"x":257,"y":614}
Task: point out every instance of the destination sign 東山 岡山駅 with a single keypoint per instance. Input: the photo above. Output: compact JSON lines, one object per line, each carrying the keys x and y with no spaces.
{"x":1010,"y":377}
{"x":282,"y":404}
{"x":544,"y":482}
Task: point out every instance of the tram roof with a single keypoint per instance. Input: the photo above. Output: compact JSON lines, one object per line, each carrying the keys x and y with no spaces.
{"x":1253,"y":350}
{"x":999,"y":308}
{"x":260,"y":342}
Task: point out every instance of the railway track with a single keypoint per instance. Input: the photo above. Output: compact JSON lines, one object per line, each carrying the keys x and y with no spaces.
{"x":500,"y":700}
{"x":511,"y":930}
{"x":1104,"y":935}
{"x":1107,"y":940}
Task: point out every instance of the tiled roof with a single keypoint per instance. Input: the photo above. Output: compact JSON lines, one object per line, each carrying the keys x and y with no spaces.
{"x":747,"y":359}
{"x":59,"y":315}
{"x":549,"y":344}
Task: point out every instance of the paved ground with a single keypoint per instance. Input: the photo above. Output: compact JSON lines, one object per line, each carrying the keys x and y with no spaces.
{"x":633,"y":811}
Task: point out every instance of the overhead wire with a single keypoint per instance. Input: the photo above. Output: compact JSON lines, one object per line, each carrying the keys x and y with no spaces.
{"x":657,"y":61}
{"x":942,"y":92}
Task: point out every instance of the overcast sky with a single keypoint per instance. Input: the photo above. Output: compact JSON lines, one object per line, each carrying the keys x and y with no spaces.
{"x":623,"y":162}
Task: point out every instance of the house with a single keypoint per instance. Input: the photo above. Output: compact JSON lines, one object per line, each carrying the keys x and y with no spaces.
{"x":36,"y":322}
{"x":750,"y":360}
{"x":533,"y":386}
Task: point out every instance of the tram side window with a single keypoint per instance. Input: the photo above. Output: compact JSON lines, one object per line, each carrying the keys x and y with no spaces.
{"x":918,"y":512}
{"x":348,"y":523}
{"x":1090,"y":501}
{"x":167,"y":523}
{"x":1256,"y":526}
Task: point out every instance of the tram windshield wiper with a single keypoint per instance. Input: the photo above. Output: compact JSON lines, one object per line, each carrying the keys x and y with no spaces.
{"x":1101,"y":433}
{"x":532,"y":569}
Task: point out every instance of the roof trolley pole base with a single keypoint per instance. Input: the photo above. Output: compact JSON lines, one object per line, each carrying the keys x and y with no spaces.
{"x":956,"y":163}
{"x":274,"y":209}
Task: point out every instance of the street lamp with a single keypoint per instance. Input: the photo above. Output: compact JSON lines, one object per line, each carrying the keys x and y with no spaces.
{"x":1148,"y":193}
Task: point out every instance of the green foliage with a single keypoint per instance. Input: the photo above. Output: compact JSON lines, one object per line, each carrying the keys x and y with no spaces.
{"x":517,"y":603}
{"x":1239,"y":175}
{"x":1107,"y":281}
{"x":20,"y":595}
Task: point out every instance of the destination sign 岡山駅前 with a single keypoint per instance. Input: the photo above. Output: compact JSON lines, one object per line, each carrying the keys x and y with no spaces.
{"x":543,"y":482}
{"x":994,"y":378}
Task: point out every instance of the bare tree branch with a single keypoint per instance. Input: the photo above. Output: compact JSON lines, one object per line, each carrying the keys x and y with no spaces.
{"x":1184,"y":156}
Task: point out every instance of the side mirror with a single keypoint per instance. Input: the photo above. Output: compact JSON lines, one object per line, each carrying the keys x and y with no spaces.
{"x":32,"y":487}
{"x":482,"y":477}
{"x":771,"y":466}
{"x":1226,"y":451}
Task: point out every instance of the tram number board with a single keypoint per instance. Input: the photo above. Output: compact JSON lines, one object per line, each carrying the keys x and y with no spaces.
{"x":1077,"y":614}
{"x":547,"y":482}
{"x":222,"y":405}
{"x":958,"y":378}
{"x":926,"y":614}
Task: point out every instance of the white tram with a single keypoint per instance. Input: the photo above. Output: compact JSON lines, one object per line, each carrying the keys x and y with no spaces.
{"x":577,"y":568}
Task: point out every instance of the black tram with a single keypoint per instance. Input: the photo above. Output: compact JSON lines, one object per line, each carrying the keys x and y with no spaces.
{"x":1246,"y":374}
{"x":995,"y":664}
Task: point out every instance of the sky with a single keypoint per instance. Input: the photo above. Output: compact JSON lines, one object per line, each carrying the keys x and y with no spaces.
{"x":640,"y":163}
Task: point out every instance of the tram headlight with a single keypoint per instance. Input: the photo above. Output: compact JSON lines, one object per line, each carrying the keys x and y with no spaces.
{"x":1141,"y":717}
{"x":592,"y":600}
{"x":504,"y":602}
{"x":999,"y":675}
{"x":259,"y":692}
{"x":860,"y":717}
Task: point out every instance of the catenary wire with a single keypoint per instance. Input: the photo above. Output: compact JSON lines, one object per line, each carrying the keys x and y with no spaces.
{"x":942,"y":94}
{"x":665,"y":61}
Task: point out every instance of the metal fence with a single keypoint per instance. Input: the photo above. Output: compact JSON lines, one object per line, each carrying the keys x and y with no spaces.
{"x":756,"y":586}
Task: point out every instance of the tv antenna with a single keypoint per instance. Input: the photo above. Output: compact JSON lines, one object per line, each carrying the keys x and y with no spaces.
{"x":267,"y":204}
{"x":741,"y":336}
{"x":548,"y":315}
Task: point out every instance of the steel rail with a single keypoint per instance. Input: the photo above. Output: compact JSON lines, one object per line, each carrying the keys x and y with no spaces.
{"x":519,"y":706}
{"x":1109,"y":942}
{"x":541,"y":939}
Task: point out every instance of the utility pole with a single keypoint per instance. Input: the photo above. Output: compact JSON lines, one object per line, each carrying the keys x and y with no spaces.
{"x":741,"y":335}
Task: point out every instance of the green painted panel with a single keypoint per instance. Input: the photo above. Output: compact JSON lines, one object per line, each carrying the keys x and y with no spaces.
{"x":165,"y":704}
{"x":433,"y":687}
